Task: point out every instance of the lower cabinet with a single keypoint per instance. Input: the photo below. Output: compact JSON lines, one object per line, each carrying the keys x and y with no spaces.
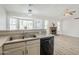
{"x":22,"y":48}
{"x":16,"y":51}
{"x":17,"y":48}
{"x":33,"y":50}
{"x":33,"y":47}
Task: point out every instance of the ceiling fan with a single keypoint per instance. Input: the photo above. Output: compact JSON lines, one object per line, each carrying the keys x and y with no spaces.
{"x":69,"y":12}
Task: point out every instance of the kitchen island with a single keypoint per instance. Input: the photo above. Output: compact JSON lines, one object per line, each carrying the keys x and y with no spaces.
{"x":28,"y":46}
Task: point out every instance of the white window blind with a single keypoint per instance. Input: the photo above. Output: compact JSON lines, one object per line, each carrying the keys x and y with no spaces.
{"x":25,"y":24}
{"x":21,"y":24}
{"x":13,"y":24}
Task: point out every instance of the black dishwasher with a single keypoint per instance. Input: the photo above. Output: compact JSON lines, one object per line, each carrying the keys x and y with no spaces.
{"x":47,"y":46}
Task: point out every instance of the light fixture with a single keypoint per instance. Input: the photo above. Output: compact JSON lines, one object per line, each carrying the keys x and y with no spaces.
{"x":29,"y":11}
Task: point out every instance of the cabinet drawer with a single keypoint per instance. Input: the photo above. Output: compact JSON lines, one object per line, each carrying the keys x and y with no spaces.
{"x":33,"y":42}
{"x":13,"y":45}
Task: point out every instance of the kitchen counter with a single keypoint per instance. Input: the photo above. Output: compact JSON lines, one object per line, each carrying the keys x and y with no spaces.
{"x":29,"y":39}
{"x":5,"y":39}
{"x":21,"y":46}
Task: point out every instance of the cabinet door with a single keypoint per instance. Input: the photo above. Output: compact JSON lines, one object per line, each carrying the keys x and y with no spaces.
{"x":13,"y":45}
{"x":17,"y":48}
{"x":33,"y":50}
{"x":33,"y":47}
{"x":16,"y":51}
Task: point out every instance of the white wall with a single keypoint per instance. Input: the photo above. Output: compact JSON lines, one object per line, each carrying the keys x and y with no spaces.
{"x":70,"y":26}
{"x":2,"y":18}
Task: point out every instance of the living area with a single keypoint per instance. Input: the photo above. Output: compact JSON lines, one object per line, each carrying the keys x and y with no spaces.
{"x":20,"y":23}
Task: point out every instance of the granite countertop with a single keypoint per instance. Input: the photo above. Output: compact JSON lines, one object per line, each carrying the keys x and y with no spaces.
{"x":29,"y":39}
{"x":4,"y":39}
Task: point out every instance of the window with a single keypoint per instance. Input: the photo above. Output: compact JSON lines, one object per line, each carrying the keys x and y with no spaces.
{"x":46,"y":24}
{"x":21,"y":24}
{"x":38,"y":24}
{"x":25,"y":24}
{"x":13,"y":24}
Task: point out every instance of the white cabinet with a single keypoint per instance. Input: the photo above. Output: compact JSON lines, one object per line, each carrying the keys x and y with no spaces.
{"x":17,"y":48}
{"x":33,"y":47}
{"x":33,"y":50}
{"x":22,"y":48}
{"x":16,"y":51}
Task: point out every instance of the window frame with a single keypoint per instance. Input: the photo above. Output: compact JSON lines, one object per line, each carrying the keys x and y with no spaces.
{"x":33,"y":26}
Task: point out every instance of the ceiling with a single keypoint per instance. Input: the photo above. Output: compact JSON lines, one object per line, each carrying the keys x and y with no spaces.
{"x":49,"y":10}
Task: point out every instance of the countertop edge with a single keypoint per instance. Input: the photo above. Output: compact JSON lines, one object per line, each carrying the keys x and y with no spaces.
{"x":27,"y":39}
